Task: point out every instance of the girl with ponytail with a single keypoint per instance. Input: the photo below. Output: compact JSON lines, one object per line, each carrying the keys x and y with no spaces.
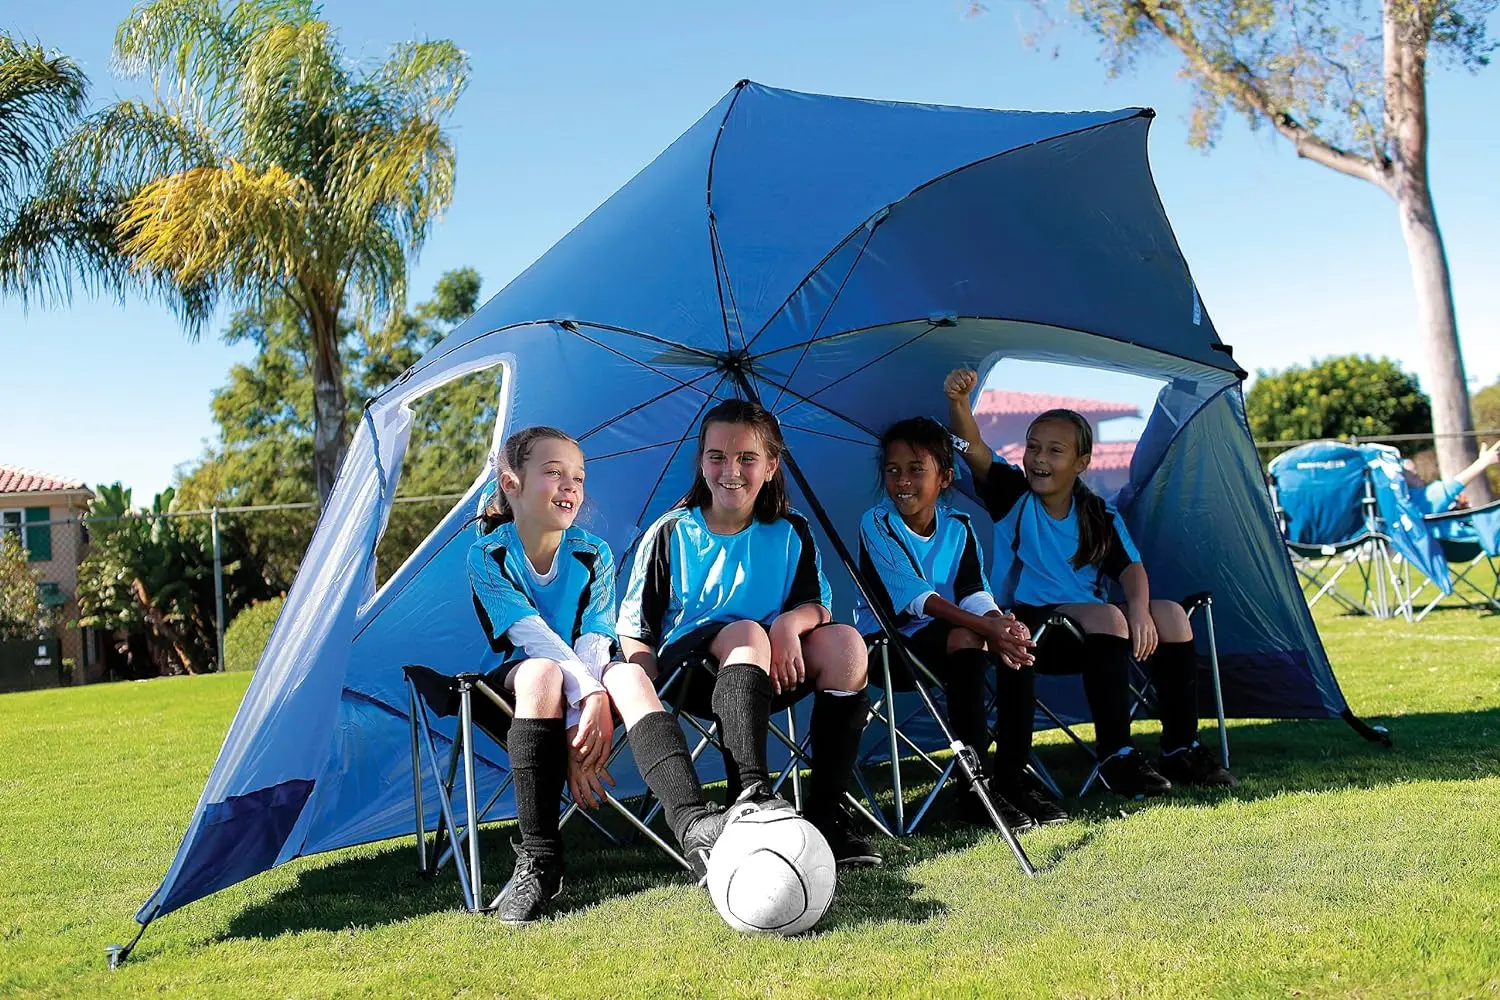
{"x":1066,"y":543}
{"x":544,"y":592}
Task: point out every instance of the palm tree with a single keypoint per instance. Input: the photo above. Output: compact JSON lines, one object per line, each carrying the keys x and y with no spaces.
{"x":266,"y":166}
{"x":42,"y":94}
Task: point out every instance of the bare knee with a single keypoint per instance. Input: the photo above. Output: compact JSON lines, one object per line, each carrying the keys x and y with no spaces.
{"x":631,"y":691}
{"x":1098,"y":619}
{"x":836,"y":658}
{"x":742,"y":642}
{"x":962,"y":638}
{"x":537,"y":684}
{"x":1172,"y":623}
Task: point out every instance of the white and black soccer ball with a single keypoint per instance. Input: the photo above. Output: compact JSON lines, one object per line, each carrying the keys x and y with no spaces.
{"x":771,"y":872}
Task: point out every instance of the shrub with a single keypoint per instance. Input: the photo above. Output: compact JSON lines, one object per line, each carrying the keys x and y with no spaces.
{"x":248,"y":634}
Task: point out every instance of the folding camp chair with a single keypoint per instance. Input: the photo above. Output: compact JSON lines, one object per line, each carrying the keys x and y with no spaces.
{"x":1059,"y":630}
{"x":430,"y":694}
{"x":883,"y":709}
{"x":1321,"y":565}
{"x":1465,"y":552}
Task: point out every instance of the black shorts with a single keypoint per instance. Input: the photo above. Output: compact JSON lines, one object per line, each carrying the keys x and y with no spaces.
{"x":1053,"y":656}
{"x":692,"y":690}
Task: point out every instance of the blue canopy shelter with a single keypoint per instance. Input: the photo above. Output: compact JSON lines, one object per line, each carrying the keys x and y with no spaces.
{"x":834,"y":258}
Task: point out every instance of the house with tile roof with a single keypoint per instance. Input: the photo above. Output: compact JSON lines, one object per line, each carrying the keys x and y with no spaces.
{"x":44,"y":512}
{"x":1004,"y":415}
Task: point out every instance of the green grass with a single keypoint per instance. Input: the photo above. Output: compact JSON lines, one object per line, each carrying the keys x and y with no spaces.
{"x":1338,"y":869}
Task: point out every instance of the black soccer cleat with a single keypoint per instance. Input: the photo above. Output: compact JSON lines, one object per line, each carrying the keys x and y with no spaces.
{"x":972,"y":811}
{"x":1196,"y":765}
{"x":851,"y":849}
{"x":699,"y":838}
{"x":757,"y":797}
{"x":533,"y":885}
{"x":1036,"y":800}
{"x":1130,"y":774}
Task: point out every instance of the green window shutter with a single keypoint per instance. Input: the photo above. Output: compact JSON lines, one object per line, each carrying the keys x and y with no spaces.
{"x":39,"y":539}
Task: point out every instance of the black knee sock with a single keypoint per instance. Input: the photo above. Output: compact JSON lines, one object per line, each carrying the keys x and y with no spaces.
{"x":838,"y":722}
{"x":539,"y":762}
{"x":1106,"y":684}
{"x":1015,"y":712}
{"x":661,"y":753}
{"x":963,"y":683}
{"x":742,"y":704}
{"x":1174,"y":673}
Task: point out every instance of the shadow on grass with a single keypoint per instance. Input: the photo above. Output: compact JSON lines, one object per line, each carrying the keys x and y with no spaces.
{"x":1270,"y":758}
{"x":386,"y":888}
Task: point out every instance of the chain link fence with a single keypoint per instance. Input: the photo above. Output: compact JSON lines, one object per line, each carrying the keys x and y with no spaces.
{"x":146,"y":594}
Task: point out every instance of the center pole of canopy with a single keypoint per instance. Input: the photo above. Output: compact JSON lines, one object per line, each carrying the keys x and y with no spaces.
{"x":965,"y":755}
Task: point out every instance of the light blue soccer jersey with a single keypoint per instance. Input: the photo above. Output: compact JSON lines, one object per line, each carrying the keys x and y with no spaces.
{"x":685,"y":577}
{"x":1437,"y":496}
{"x":1034,"y":551}
{"x":578,"y":599}
{"x":903,"y":566}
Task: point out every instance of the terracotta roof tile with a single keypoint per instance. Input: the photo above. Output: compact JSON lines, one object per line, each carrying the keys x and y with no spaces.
{"x":14,"y":479}
{"x":1109,"y":456}
{"x":1003,"y":402}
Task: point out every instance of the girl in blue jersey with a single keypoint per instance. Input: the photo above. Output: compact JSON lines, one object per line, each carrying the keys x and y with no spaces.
{"x":1063,"y":542}
{"x":544,"y":592}
{"x":730,"y":580}
{"x":925,"y":563}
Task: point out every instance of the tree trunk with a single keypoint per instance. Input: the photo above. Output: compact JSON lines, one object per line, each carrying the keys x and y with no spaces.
{"x":330,"y":437}
{"x":1406,"y":120}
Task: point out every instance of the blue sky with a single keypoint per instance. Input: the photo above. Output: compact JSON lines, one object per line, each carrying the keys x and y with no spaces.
{"x":569,"y":100}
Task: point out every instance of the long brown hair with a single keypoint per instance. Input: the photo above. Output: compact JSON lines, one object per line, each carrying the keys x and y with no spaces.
{"x":771,"y":504}
{"x":512,"y":458}
{"x":1093,"y":515}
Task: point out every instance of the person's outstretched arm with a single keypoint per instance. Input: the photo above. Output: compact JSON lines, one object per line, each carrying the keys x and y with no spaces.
{"x":1487,"y":457}
{"x":957,"y":386}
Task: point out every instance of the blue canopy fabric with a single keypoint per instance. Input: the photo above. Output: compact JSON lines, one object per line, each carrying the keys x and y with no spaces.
{"x":834,"y":258}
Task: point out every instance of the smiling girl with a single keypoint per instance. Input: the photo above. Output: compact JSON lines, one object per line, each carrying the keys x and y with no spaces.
{"x":545,"y":594}
{"x":1064,"y":542}
{"x":926,"y":565}
{"x":729,"y":586}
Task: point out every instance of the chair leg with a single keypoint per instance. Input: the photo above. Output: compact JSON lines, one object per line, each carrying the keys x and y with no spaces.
{"x":416,"y":777}
{"x":1213,"y":672}
{"x":791,"y":731}
{"x":466,"y":720}
{"x":471,"y":901}
{"x":891,"y":734}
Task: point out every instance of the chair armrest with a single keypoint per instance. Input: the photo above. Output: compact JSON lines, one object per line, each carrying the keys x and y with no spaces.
{"x":1193,"y":602}
{"x":1460,"y":513}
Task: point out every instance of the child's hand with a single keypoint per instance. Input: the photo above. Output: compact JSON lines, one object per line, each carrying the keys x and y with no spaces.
{"x":787,"y":668}
{"x":595,"y":731}
{"x":586,"y":784}
{"x":1008,"y":639}
{"x":1491,"y":455}
{"x":1142,"y":631}
{"x":960,"y":382}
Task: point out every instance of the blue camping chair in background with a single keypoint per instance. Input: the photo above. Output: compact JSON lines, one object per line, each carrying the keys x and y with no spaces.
{"x":1325,"y":500}
{"x":1468,"y":539}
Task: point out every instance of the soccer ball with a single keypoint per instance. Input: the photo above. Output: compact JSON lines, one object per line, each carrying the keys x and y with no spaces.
{"x":771,"y":872}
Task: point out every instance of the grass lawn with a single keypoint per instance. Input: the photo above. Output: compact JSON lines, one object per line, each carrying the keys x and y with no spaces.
{"x":1337,"y":869}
